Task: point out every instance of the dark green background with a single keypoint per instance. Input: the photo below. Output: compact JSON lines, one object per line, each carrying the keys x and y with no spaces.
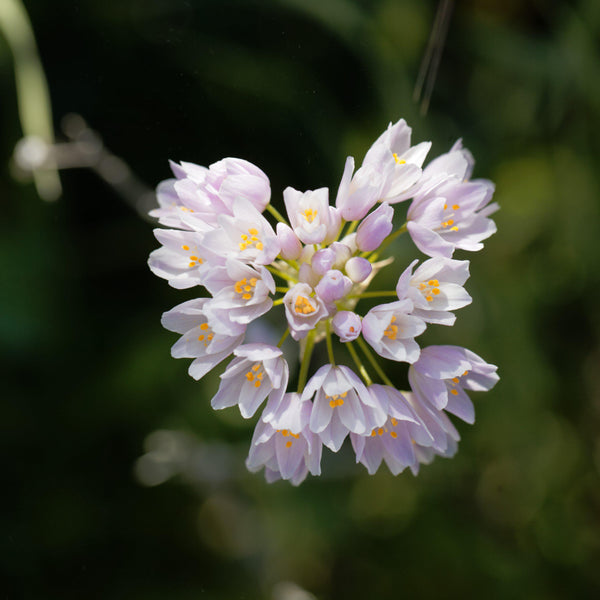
{"x":295,"y":86}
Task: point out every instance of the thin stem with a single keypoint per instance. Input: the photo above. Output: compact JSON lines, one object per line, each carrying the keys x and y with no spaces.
{"x":33,"y":97}
{"x":367,"y":352}
{"x":276,"y":213}
{"x":281,"y":274}
{"x":373,"y":294}
{"x":308,"y":349}
{"x":278,"y":302}
{"x":283,"y":337}
{"x":359,"y":365}
{"x":283,"y":290}
{"x":388,"y":240}
{"x":329,"y":343}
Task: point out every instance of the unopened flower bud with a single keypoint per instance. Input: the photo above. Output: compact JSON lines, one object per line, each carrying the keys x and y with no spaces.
{"x":333,"y":286}
{"x":323,"y":260}
{"x":358,"y":268}
{"x":375,"y":228}
{"x":342,"y":253}
{"x":290,"y":244}
{"x":346,"y":325}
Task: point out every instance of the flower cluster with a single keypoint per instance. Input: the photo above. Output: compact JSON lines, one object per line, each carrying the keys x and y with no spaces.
{"x":324,"y":258}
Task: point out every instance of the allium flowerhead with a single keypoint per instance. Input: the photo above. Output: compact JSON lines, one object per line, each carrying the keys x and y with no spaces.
{"x":308,"y":272}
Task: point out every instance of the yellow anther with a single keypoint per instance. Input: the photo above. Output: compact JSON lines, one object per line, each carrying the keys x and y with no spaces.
{"x":309,"y":214}
{"x":343,"y":395}
{"x":244,"y":236}
{"x":295,"y":435}
{"x":391,"y":332}
{"x":394,"y":421}
{"x":373,"y":433}
{"x":288,"y":444}
{"x":242,"y":246}
{"x":454,"y":392}
{"x":429,"y":298}
{"x":257,"y":383}
{"x":455,"y":379}
{"x":253,"y":281}
{"x":253,"y":231}
{"x":339,"y":402}
{"x":422,"y":286}
{"x":393,"y":434}
{"x":247,"y":288}
{"x":194,"y":258}
{"x":204,"y":326}
{"x":285,"y":432}
{"x":192,"y":264}
{"x":201,"y":338}
{"x":435,"y":291}
{"x":210,"y":336}
{"x":380,"y":431}
{"x":303,"y":306}
{"x":455,"y":228}
{"x":249,"y":376}
{"x":259,"y":246}
{"x":455,"y":207}
{"x":399,"y":161}
{"x":256,"y":367}
{"x":332,"y":403}
{"x":393,"y":319}
{"x":465,"y":373}
{"x":246,"y":296}
{"x":434,"y":282}
{"x":186,"y":248}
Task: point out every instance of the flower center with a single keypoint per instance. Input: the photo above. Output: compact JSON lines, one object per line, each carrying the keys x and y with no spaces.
{"x":392,"y":330}
{"x":250,"y":240}
{"x":429,"y":289}
{"x":245,"y":287}
{"x":399,"y":161}
{"x":309,"y":214}
{"x":336,"y":399}
{"x":207,"y":336}
{"x":379,"y":431}
{"x":286,"y":433}
{"x":454,"y":382}
{"x":304,"y":306}
{"x":194,"y":260}
{"x":255,"y":375}
{"x":450,"y":221}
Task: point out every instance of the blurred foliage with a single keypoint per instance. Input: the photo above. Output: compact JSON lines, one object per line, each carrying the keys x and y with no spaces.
{"x":295,"y":86}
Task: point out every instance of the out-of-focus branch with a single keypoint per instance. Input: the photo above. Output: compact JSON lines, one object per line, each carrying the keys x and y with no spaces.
{"x":84,"y":149}
{"x":33,"y":98}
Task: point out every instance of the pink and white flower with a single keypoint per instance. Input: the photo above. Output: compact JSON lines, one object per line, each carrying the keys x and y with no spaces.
{"x":303,"y":310}
{"x":390,"y":329}
{"x":286,"y":447}
{"x":311,"y":217}
{"x":257,"y":371}
{"x":340,"y":403}
{"x":241,"y":292}
{"x":435,"y":289}
{"x":245,"y":235}
{"x":199,"y":339}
